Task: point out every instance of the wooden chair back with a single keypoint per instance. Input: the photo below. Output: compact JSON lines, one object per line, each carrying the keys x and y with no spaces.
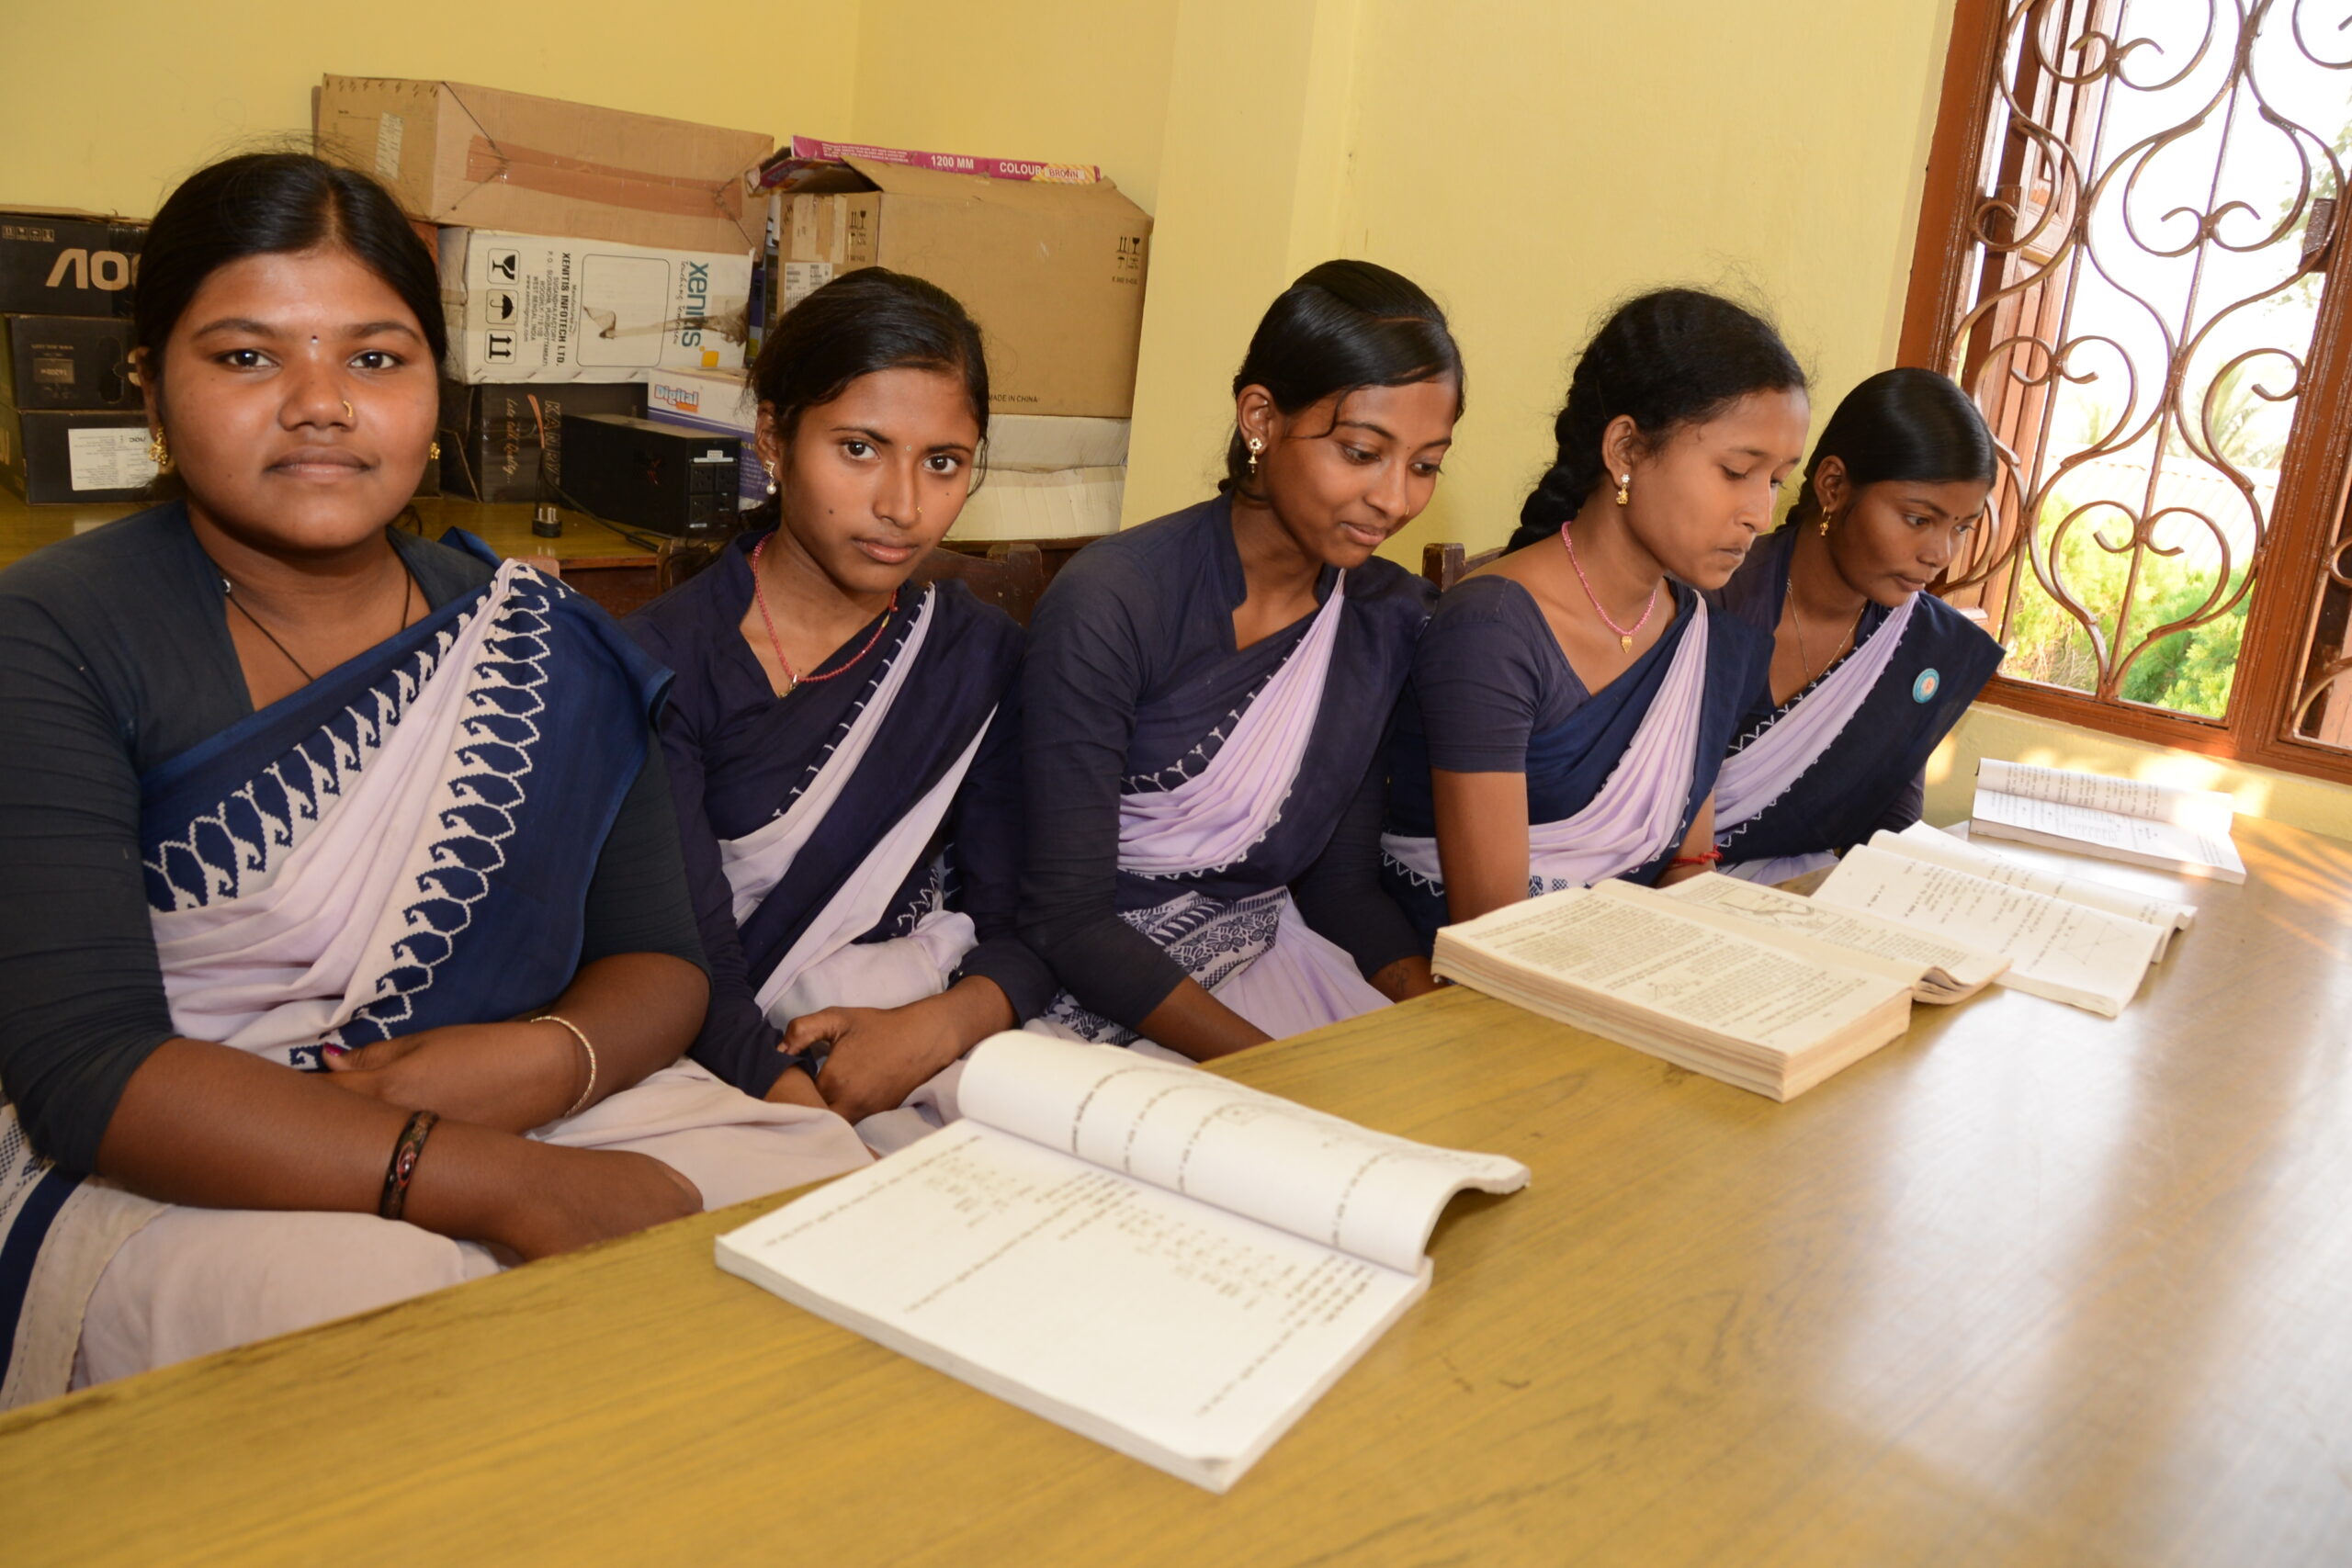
{"x":1009,"y":577}
{"x":1448,"y":564}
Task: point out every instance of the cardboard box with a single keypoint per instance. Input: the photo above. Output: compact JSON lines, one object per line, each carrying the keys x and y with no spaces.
{"x":67,"y":264}
{"x":66,"y":362}
{"x":714,"y":405}
{"x":489,"y":159}
{"x":1042,"y":443}
{"x":805,"y":163}
{"x":53,"y":455}
{"x":498,"y":441}
{"x":1052,"y":273}
{"x":1065,"y":503}
{"x":533,"y":308}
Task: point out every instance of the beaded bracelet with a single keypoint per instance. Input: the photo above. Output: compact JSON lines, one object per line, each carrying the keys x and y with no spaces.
{"x":405,"y":1155}
{"x":573,"y":1109}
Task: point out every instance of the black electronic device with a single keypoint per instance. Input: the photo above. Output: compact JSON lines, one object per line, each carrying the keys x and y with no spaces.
{"x":655,"y":477}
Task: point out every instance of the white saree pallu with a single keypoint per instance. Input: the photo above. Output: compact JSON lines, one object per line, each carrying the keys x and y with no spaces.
{"x":1766,"y":769}
{"x":1637,"y":814}
{"x":1254,"y":954}
{"x":405,"y":844}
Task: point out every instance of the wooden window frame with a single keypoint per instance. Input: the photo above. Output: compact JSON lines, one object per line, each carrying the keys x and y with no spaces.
{"x":2306,"y":513}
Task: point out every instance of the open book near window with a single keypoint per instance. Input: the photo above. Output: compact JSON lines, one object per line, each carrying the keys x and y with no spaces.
{"x":1171,"y":1264}
{"x":2184,"y":831}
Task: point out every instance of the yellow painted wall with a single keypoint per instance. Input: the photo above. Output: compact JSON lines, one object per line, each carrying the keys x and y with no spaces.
{"x":1075,"y":81}
{"x":108,"y":107}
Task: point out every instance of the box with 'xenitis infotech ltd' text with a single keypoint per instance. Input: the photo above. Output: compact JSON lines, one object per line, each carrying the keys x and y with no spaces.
{"x":532,"y":308}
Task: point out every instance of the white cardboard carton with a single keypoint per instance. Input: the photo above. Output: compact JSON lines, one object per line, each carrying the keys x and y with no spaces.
{"x":533,"y":308}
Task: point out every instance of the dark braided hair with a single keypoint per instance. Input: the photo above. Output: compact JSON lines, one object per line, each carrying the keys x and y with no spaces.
{"x":1904,"y":423}
{"x":1671,"y":357}
{"x":1343,"y":325}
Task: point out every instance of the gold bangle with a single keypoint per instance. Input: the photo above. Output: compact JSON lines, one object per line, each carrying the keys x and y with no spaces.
{"x":573,"y":1109}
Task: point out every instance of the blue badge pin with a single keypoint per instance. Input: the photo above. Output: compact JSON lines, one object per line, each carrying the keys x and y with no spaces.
{"x":1926,"y":686}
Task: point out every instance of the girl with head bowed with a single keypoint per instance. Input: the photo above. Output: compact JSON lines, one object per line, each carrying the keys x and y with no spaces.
{"x":1571,"y":701}
{"x":1206,"y":696}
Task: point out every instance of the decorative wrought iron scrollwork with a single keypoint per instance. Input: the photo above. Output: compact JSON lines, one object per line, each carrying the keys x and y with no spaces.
{"x":2155,"y":205}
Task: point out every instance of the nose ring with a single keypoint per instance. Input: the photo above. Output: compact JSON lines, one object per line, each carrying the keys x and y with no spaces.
{"x":349,"y":416}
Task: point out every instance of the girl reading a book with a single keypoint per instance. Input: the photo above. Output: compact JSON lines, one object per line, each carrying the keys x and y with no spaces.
{"x":1206,"y":696}
{"x":1866,"y":670}
{"x":1571,"y":701}
{"x":843,"y":738}
{"x":332,"y":861}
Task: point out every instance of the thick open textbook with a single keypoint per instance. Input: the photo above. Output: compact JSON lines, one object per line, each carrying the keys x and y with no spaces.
{"x":1167,"y":1262}
{"x":1937,"y":969}
{"x":2187,"y":830}
{"x":2065,"y":950}
{"x":1775,"y":1010}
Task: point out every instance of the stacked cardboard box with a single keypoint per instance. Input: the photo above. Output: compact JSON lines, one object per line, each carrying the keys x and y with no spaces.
{"x":580,"y":249}
{"x":72,"y":424}
{"x":1047,"y":478}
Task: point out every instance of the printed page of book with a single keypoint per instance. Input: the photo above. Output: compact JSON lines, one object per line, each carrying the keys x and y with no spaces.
{"x":2125,"y":819}
{"x":1902,"y":951}
{"x":2056,"y":949}
{"x":1636,"y":945}
{"x":1314,"y":1175}
{"x":2206,"y":810}
{"x":1923,"y":842}
{"x":1170,"y":1330}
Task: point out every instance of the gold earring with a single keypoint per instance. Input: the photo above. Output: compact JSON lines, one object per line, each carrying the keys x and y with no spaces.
{"x":434,"y":450}
{"x":1826,"y":518}
{"x":159,"y":452}
{"x":771,"y":468}
{"x":1256,"y":447}
{"x":1625,"y":488}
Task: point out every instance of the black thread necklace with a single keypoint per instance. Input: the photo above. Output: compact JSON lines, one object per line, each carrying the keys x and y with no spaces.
{"x":228,"y":592}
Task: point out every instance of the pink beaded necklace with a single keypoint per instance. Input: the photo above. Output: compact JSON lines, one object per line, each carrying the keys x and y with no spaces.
{"x":1625,"y":633}
{"x":791,"y":678}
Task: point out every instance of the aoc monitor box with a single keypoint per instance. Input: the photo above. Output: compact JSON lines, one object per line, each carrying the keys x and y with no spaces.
{"x":505,"y":442}
{"x":66,"y":362}
{"x":59,"y":263}
{"x":55,"y":456}
{"x":538,"y":308}
{"x":1052,"y":273}
{"x":485,"y":157}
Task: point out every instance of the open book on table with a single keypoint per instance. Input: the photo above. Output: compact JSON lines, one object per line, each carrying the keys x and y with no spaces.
{"x":2057,"y":948}
{"x":1923,"y":842}
{"x":2186,"y":831}
{"x":1937,"y":969}
{"x":1168,"y":1263}
{"x":1774,"y":1011}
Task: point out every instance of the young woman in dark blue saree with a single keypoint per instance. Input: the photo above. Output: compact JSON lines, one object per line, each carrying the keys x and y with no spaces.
{"x":1866,"y":671}
{"x":843,"y":744}
{"x":1206,"y":696}
{"x":1571,"y":701}
{"x":332,"y":863}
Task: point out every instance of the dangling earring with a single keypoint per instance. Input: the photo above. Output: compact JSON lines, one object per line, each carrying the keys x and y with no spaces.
{"x":159,"y":452}
{"x":1256,"y":447}
{"x":434,"y":451}
{"x":771,"y":468}
{"x":1826,"y":518}
{"x":1625,"y":488}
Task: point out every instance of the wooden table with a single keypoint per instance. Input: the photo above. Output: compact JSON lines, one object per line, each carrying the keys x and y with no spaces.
{"x":2029,"y":1287}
